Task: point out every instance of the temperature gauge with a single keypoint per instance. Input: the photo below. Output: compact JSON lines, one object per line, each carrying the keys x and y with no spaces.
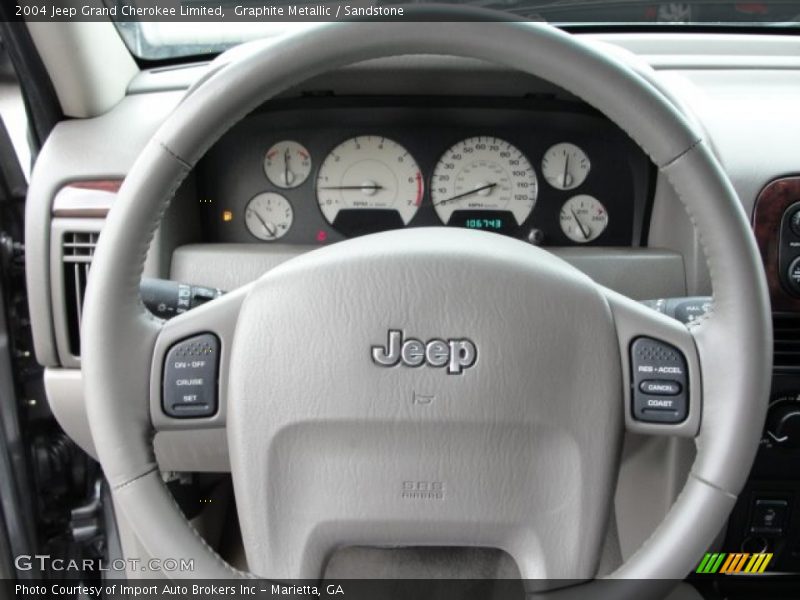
{"x":268,"y":216}
{"x":583,"y":218}
{"x":287,"y":164}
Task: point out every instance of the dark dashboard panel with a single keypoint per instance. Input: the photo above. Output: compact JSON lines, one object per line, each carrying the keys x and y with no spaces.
{"x":778,"y":241}
{"x":232,"y":173}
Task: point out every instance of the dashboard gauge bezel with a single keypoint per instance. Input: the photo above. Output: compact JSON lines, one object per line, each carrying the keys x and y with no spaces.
{"x":621,"y":176}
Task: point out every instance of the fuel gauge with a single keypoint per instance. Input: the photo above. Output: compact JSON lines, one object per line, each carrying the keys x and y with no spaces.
{"x":268,"y":216}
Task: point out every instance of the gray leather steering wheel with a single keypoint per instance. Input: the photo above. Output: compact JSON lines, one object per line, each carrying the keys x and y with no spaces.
{"x":323,"y":441}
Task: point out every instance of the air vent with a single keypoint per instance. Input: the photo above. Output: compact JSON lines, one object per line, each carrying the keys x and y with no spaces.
{"x":786,"y":330}
{"x":77,"y":251}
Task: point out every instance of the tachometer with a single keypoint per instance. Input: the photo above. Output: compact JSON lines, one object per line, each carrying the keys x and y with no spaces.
{"x":369,"y":183}
{"x":484,"y":182}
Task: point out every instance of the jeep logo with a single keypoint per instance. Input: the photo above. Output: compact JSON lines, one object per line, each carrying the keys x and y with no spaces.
{"x":456,"y":355}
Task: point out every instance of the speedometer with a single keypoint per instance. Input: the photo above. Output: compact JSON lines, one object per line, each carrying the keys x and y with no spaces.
{"x":369,"y":183}
{"x":484,"y":183}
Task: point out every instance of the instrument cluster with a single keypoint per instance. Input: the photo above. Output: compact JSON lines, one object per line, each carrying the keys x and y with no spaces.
{"x":551,"y":177}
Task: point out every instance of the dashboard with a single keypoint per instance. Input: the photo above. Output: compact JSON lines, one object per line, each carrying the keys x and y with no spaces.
{"x":548,"y":171}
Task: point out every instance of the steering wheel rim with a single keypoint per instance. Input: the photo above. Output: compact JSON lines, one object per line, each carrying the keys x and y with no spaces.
{"x":732,"y":384}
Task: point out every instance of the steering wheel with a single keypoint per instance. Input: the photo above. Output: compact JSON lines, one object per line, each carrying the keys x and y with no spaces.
{"x":525,"y":364}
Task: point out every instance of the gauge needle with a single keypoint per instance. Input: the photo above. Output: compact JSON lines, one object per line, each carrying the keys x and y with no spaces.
{"x":270,"y":230}
{"x":488,"y":186}
{"x":566,"y":172}
{"x":286,"y":166}
{"x":583,"y":229}
{"x":375,"y":187}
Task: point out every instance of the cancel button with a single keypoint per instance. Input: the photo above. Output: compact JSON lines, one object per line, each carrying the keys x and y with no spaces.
{"x":660,"y":387}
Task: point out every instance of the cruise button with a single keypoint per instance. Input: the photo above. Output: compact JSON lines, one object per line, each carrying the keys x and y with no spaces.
{"x":660,"y":387}
{"x":190,"y":377}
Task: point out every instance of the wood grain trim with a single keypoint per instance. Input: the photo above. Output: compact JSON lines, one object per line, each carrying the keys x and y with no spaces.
{"x":770,"y":206}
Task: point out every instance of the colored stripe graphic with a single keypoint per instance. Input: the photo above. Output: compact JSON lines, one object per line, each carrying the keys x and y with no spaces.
{"x":730,"y":563}
{"x":764,"y":563}
{"x":735,"y":562}
{"x":701,"y":568}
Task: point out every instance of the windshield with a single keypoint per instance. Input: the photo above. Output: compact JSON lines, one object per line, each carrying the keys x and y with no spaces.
{"x":225,"y":23}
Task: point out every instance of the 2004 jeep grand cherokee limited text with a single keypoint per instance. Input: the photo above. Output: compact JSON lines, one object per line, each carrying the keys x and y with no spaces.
{"x":465,"y":300}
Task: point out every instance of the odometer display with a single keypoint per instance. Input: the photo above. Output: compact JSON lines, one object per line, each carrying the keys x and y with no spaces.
{"x":496,"y":224}
{"x":497,"y":221}
{"x":480,"y":175}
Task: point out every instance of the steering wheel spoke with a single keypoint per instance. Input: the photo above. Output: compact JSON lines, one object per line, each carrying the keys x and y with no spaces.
{"x":189,"y":374}
{"x":660,"y":370}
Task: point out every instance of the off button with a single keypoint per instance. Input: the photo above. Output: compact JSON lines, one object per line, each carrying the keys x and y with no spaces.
{"x":660,"y":387}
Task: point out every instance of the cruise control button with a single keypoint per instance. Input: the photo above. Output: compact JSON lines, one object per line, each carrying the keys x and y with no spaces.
{"x":659,"y":383}
{"x":659,"y":387}
{"x":190,"y":377}
{"x":659,"y":404}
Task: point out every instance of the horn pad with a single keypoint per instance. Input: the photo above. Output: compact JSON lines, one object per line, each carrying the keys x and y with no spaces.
{"x":425,"y":387}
